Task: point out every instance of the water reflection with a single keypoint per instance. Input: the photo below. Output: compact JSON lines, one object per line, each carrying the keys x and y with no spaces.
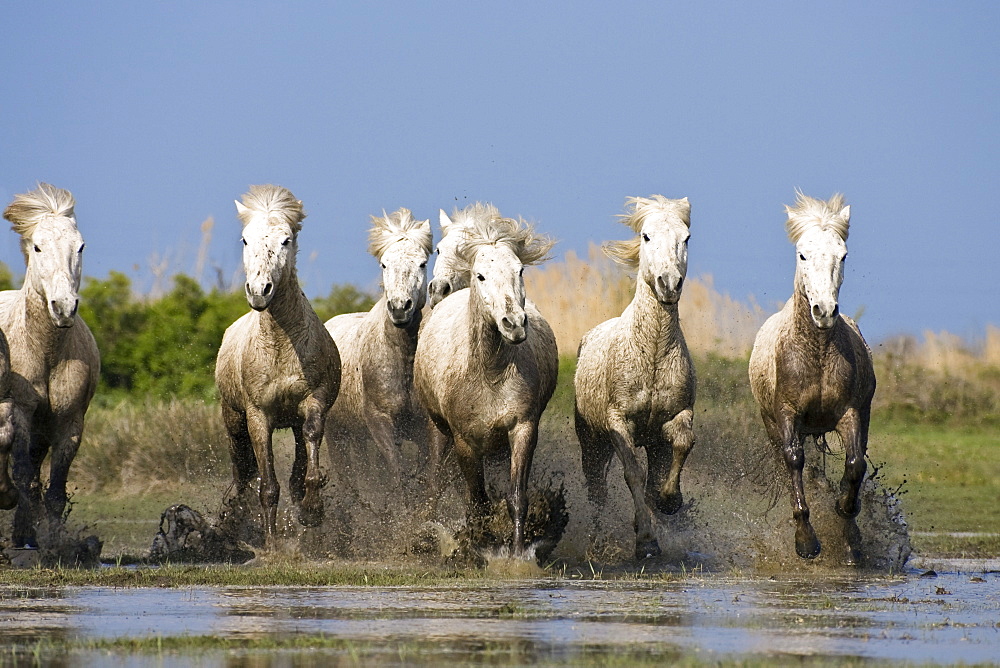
{"x":950,"y":618}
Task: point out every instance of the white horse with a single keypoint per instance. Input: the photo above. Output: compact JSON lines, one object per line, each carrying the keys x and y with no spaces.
{"x":54,"y":358}
{"x":635,"y":383}
{"x":448,"y":276}
{"x":486,"y":363}
{"x":811,"y":370}
{"x":376,"y":399}
{"x":277,"y":366}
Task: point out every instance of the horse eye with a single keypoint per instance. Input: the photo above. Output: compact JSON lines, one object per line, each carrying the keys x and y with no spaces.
{"x":521,"y":273}
{"x":437,"y":251}
{"x":244,"y":241}
{"x":645,"y":237}
{"x":383,"y":265}
{"x":37,"y":249}
{"x":82,"y":246}
{"x":423,"y":265}
{"x":286,"y":241}
{"x":480,"y":277}
{"x":802,"y":257}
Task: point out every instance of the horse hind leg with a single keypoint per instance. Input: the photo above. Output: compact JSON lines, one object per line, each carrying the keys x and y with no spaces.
{"x":8,"y":430}
{"x":676,"y":444}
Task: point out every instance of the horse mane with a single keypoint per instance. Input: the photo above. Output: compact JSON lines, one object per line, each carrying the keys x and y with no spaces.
{"x":529,"y":247}
{"x":30,"y":207}
{"x":274,"y":202}
{"x":810,"y":213}
{"x":637,"y":210}
{"x":387,"y":229}
{"x":463,"y":218}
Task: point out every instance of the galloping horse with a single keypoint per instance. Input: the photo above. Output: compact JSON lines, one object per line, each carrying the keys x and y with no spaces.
{"x":277,"y":366}
{"x":635,"y":383}
{"x":54,"y":359}
{"x":376,"y":399}
{"x":810,"y":369}
{"x":486,"y":363}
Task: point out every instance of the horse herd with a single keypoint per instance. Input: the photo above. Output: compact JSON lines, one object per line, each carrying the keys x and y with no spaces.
{"x":471,"y":375}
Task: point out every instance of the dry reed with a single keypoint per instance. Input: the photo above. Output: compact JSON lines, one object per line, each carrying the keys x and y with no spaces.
{"x":576,"y":294}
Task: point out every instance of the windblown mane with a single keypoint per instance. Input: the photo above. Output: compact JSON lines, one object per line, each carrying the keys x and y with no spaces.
{"x":529,"y":247}
{"x":637,"y":210}
{"x":28,"y":208}
{"x":274,"y":202}
{"x":387,"y":229}
{"x":463,"y":218}
{"x":809,"y":212}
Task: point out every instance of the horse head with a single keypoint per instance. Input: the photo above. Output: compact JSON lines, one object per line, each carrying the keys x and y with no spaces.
{"x":402,"y":246}
{"x":52,"y":247}
{"x":819,"y":231}
{"x":271,"y":221}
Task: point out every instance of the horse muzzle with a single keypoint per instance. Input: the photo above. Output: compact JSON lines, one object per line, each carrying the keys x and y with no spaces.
{"x":514,"y":328}
{"x":824,"y":315}
{"x":438,"y":290}
{"x":259,"y":295}
{"x":400,"y":311}
{"x":63,"y":312}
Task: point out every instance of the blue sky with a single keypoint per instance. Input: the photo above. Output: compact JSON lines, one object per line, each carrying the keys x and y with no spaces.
{"x":158,"y":115}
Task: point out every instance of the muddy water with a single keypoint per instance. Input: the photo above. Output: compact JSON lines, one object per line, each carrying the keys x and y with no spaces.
{"x":950,"y":617}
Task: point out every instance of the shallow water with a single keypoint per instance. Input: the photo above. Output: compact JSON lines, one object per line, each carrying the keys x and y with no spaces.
{"x":951,"y":617}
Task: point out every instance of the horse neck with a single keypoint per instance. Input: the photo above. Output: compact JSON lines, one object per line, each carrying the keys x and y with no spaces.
{"x":652,"y":325}
{"x":286,"y":310}
{"x":402,"y":338}
{"x":487,"y":349}
{"x":805,"y":329}
{"x":39,"y":331}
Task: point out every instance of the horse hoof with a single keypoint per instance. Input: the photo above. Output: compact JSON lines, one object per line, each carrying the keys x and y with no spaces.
{"x":806,"y":544}
{"x":647,"y":549}
{"x":848,"y":512}
{"x":670,"y":503}
{"x":310,"y":516}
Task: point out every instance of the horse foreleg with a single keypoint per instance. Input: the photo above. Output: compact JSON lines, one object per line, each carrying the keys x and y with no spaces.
{"x":383,"y":431}
{"x":471,"y":464}
{"x":259,"y":429}
{"x":297,"y":479}
{"x":28,"y":452}
{"x":63,"y":451}
{"x":853,"y":430}
{"x":595,"y":456}
{"x":311,"y":507}
{"x":240,"y":448}
{"x":786,"y":436}
{"x":677,"y":440}
{"x":8,"y":431}
{"x":523,"y":439}
{"x":622,"y":436}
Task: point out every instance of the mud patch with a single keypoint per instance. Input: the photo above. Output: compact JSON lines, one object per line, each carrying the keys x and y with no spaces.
{"x":186,"y":536}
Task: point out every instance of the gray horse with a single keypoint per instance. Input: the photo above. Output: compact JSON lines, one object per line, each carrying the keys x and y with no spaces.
{"x":810,"y":369}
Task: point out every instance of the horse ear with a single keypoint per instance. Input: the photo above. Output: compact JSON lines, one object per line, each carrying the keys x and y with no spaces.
{"x":241,"y":210}
{"x":425,"y":224}
{"x":445,"y":221}
{"x":845,"y":213}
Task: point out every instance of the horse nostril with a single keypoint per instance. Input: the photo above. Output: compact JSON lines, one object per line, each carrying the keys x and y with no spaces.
{"x":680,"y":284}
{"x":267,"y":289}
{"x":836,"y":310}
{"x":506,"y":323}
{"x":247,"y":286}
{"x":408,"y":305}
{"x":816,"y":311}
{"x":446,"y":290}
{"x":76,"y":306}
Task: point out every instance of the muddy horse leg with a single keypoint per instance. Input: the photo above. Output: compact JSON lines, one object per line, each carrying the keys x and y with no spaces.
{"x":29,"y":451}
{"x":311,"y":505}
{"x":523,"y":439}
{"x":63,"y":451}
{"x":853,"y":430}
{"x":471,"y":464}
{"x":622,"y":436}
{"x":676,"y":443}
{"x":8,"y":430}
{"x":383,"y":431}
{"x":260,"y":431}
{"x":595,"y":456}
{"x":786,"y":436}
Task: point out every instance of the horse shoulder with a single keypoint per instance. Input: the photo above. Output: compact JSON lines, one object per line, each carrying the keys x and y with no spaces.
{"x":73,"y":379}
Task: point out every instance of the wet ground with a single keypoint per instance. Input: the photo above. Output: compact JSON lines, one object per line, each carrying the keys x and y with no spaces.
{"x":948,"y":617}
